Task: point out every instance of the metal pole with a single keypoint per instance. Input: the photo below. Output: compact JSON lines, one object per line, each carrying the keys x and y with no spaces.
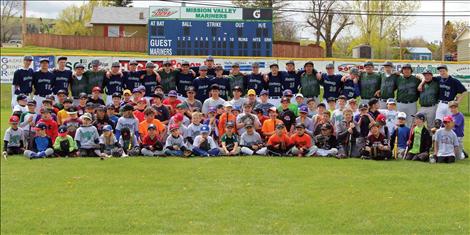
{"x":399,"y":37}
{"x":23,"y":29}
{"x":443,"y":46}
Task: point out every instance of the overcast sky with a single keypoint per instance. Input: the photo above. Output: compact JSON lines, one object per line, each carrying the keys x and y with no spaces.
{"x":427,"y":27}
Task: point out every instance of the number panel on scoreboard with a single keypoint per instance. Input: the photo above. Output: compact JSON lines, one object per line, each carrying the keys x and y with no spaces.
{"x":223,"y":38}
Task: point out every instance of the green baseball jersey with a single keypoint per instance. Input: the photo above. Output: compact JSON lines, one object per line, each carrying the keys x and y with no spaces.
{"x":94,"y":79}
{"x":388,"y":85}
{"x":237,"y":80}
{"x":407,"y":89}
{"x":310,"y":86}
{"x":430,"y":94}
{"x":369,"y":84}
{"x":78,"y":85}
{"x":168,"y":80}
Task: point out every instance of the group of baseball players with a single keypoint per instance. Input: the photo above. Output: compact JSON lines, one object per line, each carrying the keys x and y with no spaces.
{"x":210,"y":111}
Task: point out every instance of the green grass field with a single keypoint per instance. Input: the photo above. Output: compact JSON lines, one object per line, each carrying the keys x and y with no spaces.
{"x":243,"y":195}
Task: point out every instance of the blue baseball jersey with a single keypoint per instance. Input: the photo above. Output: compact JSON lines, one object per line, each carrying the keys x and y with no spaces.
{"x":331,"y":85}
{"x":113,"y":84}
{"x":350,"y":89}
{"x":150,"y":83}
{"x":224,"y":86}
{"x":62,"y":80}
{"x":449,"y":88}
{"x":291,"y":81}
{"x":43,"y":82}
{"x":183,"y":81}
{"x":201,"y":85}
{"x":131,"y":79}
{"x":275,"y":84}
{"x":255,"y":82}
{"x":23,"y":78}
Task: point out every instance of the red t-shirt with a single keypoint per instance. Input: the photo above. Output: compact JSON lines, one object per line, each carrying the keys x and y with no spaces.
{"x":303,"y":141}
{"x":147,"y":141}
{"x":275,"y":140}
{"x":52,"y":128}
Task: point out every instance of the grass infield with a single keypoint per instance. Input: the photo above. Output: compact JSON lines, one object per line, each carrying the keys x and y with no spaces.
{"x":242,"y":195}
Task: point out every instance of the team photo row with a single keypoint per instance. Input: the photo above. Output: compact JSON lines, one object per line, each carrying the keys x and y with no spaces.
{"x":210,"y":111}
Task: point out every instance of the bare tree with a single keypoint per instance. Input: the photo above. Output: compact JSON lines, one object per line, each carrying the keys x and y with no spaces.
{"x":286,"y":31}
{"x":326,"y":21}
{"x":10,"y":10}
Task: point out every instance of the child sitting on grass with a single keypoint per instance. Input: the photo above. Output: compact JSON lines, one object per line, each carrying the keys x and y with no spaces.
{"x":175,"y":145}
{"x":420,"y":140}
{"x":376,"y":145}
{"x":401,"y":134}
{"x":64,"y":145}
{"x":326,"y":142}
{"x":446,"y":143}
{"x":279,"y":143}
{"x":42,"y":144}
{"x":151,"y":145}
{"x":87,"y":137}
{"x":230,"y":141}
{"x":13,"y":139}
{"x":127,"y":120}
{"x":302,"y":143}
{"x":204,"y":145}
{"x":129,"y":143}
{"x":109,"y":146}
{"x":251,"y":142}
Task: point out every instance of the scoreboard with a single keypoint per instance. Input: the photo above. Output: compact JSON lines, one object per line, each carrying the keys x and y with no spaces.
{"x":210,"y":31}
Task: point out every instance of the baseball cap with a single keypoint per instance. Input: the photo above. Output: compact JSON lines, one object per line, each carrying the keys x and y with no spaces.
{"x":50,"y":98}
{"x":363,"y":106}
{"x":142,"y":100}
{"x":352,"y":100}
{"x":149,"y":65}
{"x":116,"y":94}
{"x":448,"y":118}
{"x":272,"y":109}
{"x":331,"y":99}
{"x":116,"y":64}
{"x":21,"y":97}
{"x":237,"y":88}
{"x":236,"y":65}
{"x":83,"y":95}
{"x":181,"y":106}
{"x":214,"y":87}
{"x":264,"y":92}
{"x":308,"y":63}
{"x":330,"y":66}
{"x":166,"y":62}
{"x":407,"y":66}
{"x":68,"y":100}
{"x":178,"y":117}
{"x":87,"y":116}
{"x":95,"y":62}
{"x":203,"y":67}
{"x":133,"y":62}
{"x":174,"y":127}
{"x":255,"y":65}
{"x":219,"y":67}
{"x":373,"y":101}
{"x":209,"y":58}
{"x":453,"y":103}
{"x":212,"y":109}
{"x":204,"y":129}
{"x":172,"y":93}
{"x":41,"y":126}
{"x":284,"y":99}
{"x":427,"y":71}
{"x":191,"y":89}
{"x":127,"y":107}
{"x":44,"y":110}
{"x":290,"y":62}
{"x":44,"y":59}
{"x":300,"y":125}
{"x":141,"y":88}
{"x":303,"y":109}
{"x":28,"y":57}
{"x":249,"y":125}
{"x":151,"y":126}
{"x":388,"y":63}
{"x":391,"y":101}
{"x":326,"y":126}
{"x":354,"y":71}
{"x":442,"y":66}
{"x":401,"y":115}
{"x":273,"y":65}
{"x":287,"y":92}
{"x":62,"y":130}
{"x":237,"y":108}
{"x":110,"y":128}
{"x":135,"y":90}
{"x":381,"y":118}
{"x":419,"y":116}
{"x":72,"y":110}
{"x":61,"y":58}
{"x":227,"y":104}
{"x":31,"y":102}
{"x":79,"y":66}
{"x":90,"y":105}
{"x":280,"y":126}
{"x":251,"y":92}
{"x":184,"y":62}
{"x":46,"y":100}
{"x":299,"y":95}
{"x":96,"y":88}
{"x":101,"y":108}
{"x":368,"y":63}
{"x":229,"y":124}
{"x":14,"y":119}
{"x":62,"y":91}
{"x":342,"y":97}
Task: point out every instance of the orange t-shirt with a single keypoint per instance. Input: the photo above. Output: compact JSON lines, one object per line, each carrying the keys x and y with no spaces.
{"x":144,"y":125}
{"x":304,"y":141}
{"x":275,"y":139}
{"x":269,"y":125}
{"x":223,"y":120}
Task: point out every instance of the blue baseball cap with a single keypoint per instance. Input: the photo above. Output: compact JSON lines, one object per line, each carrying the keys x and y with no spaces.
{"x":205,"y":129}
{"x":303,"y":109}
{"x":108,"y":128}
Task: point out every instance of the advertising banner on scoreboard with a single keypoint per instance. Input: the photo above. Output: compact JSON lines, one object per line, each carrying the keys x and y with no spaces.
{"x":211,"y":13}
{"x":9,"y":64}
{"x":164,"y":12}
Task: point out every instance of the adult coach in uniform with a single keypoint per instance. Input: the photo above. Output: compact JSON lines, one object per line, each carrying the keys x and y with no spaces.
{"x":209,"y":62}
{"x":94,"y":76}
{"x":388,"y":84}
{"x":310,"y":82}
{"x":79,"y":83}
{"x":449,"y":89}
{"x":42,"y":82}
{"x":369,"y":83}
{"x":63,"y":77}
{"x":407,"y":92}
{"x":428,"y":97}
{"x":274,"y":79}
{"x":22,"y":80}
{"x":291,"y":78}
{"x":331,"y":83}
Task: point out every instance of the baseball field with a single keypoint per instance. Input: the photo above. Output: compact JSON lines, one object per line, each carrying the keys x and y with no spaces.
{"x":241,"y":195}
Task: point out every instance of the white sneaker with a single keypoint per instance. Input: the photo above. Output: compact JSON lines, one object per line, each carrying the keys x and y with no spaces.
{"x":124,"y":155}
{"x":5,"y":155}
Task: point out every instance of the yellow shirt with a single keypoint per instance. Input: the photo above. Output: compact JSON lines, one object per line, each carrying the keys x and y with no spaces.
{"x":62,"y":115}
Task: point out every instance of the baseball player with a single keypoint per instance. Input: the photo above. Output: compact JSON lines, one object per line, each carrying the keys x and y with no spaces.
{"x":255,"y":79}
{"x":209,"y":62}
{"x":201,"y":84}
{"x":222,"y":81}
{"x":236,"y":78}
{"x":274,"y":79}
{"x":22,"y":80}
{"x":42,"y":82}
{"x":310,"y":82}
{"x":449,"y":89}
{"x":350,"y":84}
{"x":331,"y":83}
{"x":369,"y":83}
{"x":428,"y":97}
{"x":184,"y":79}
{"x":63,"y":77}
{"x":132,"y":77}
{"x":94,"y":76}
{"x":291,"y":78}
{"x":150,"y":80}
{"x":168,"y":76}
{"x":113,"y":83}
{"x":79,"y":83}
{"x":407,"y":92}
{"x":388,"y":84}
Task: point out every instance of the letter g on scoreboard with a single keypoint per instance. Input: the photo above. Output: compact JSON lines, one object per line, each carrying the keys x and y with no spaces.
{"x":257,"y":14}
